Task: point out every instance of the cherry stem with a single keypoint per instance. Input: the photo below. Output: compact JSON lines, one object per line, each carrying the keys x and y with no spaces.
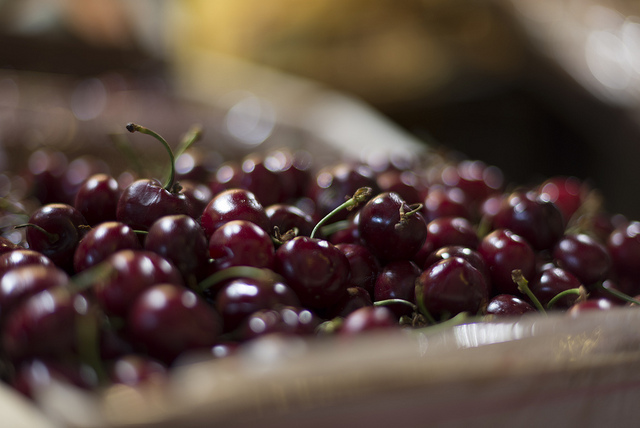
{"x":523,"y":287}
{"x":581,"y":292}
{"x":169,"y":182}
{"x":405,"y":215}
{"x":332,"y":228}
{"x":191,"y":137}
{"x":53,"y":237}
{"x":238,"y":272}
{"x":361,"y":195}
{"x":280,"y":238}
{"x":424,"y":311}
{"x":619,"y":294}
{"x":388,"y":302}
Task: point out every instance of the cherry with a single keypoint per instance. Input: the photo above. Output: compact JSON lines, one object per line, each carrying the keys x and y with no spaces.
{"x":180,"y":240}
{"x":364,"y":266}
{"x":132,"y":272}
{"x":22,"y":257}
{"x":315,"y":269}
{"x":228,"y":176}
{"x":332,"y":185}
{"x":289,"y":217}
{"x":198,"y":195}
{"x":261,"y":179}
{"x":135,"y":369}
{"x":6,"y":245}
{"x":624,"y":247}
{"x":146,"y":200}
{"x":55,"y":230}
{"x":472,"y":256}
{"x":43,"y":325}
{"x":584,"y":257}
{"x":397,"y":280}
{"x":476,"y":179}
{"x":567,"y":193}
{"x":354,"y":298}
{"x":233,"y":204}
{"x":286,"y":320}
{"x":552,"y":281}
{"x":368,"y":319}
{"x":293,"y":168}
{"x":449,"y":287}
{"x":535,"y":219}
{"x":102,"y":241}
{"x":241,"y":297}
{"x":34,"y":374}
{"x":167,"y":320}
{"x":447,"y":231}
{"x":78,"y":172}
{"x":405,"y":183}
{"x":446,"y":202}
{"x":241,"y":243}
{"x":390,"y":228}
{"x":46,"y":169}
{"x":589,"y":305}
{"x":504,"y":251}
{"x":21,"y":282}
{"x":97,"y":199}
{"x":508,"y":305}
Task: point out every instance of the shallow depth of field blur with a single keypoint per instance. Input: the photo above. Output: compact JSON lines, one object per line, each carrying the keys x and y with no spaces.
{"x":535,"y":87}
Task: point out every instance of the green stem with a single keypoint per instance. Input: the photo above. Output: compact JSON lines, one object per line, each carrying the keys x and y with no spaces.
{"x":424,"y":311}
{"x":332,"y":228}
{"x":388,"y":302}
{"x":523,"y":287}
{"x":361,"y":195}
{"x":237,"y":272}
{"x":618,"y":294}
{"x":53,"y":237}
{"x":169,"y":182}
{"x":191,"y":137}
{"x":581,"y":292}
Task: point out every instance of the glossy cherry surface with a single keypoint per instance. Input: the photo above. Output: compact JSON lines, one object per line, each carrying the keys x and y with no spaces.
{"x":97,"y":199}
{"x":233,"y":204}
{"x":508,"y":305}
{"x":241,"y":243}
{"x":584,"y":257}
{"x":397,"y":280}
{"x":315,"y":269}
{"x":102,"y":241}
{"x":167,"y":320}
{"x":390,"y":228}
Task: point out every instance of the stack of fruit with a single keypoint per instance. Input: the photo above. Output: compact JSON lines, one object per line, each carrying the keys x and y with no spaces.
{"x":112,"y":279}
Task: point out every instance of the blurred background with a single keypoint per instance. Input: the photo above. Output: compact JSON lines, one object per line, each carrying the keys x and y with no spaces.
{"x":536,"y":87}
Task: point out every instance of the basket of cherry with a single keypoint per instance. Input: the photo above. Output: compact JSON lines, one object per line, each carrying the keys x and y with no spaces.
{"x":275,"y":290}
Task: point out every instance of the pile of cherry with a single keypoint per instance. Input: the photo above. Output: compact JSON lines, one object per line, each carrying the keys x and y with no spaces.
{"x":115,"y":278}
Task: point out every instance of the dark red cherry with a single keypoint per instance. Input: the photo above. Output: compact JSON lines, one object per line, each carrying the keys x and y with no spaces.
{"x":293,"y":169}
{"x":167,"y":320}
{"x":179,"y":239}
{"x":368,"y":319}
{"x":78,"y":172}
{"x":261,"y":179}
{"x":405,"y":183}
{"x":22,"y":257}
{"x":43,"y":325}
{"x":333,"y":185}
{"x":288,"y":217}
{"x":315,"y":269}
{"x":286,"y":320}
{"x":552,"y":281}
{"x":397,"y":281}
{"x":503,"y":251}
{"x":354,"y":298}
{"x":132,"y":272}
{"x":508,"y":305}
{"x":241,"y":243}
{"x":624,"y":248}
{"x":584,"y":257}
{"x":447,"y":231}
{"x":59,"y":228}
{"x":24,"y":281}
{"x":446,"y":202}
{"x":472,"y":256}
{"x":45,"y":171}
{"x":567,"y":193}
{"x":233,"y":204}
{"x":6,"y":245}
{"x":35,"y":374}
{"x":535,"y":219}
{"x":241,"y":297}
{"x":146,"y":200}
{"x":136,"y":369}
{"x":97,"y":199}
{"x":451,"y":286}
{"x":476,"y":179}
{"x":102,"y":241}
{"x":364,"y":266}
{"x":589,"y":305}
{"x":390,"y":228}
